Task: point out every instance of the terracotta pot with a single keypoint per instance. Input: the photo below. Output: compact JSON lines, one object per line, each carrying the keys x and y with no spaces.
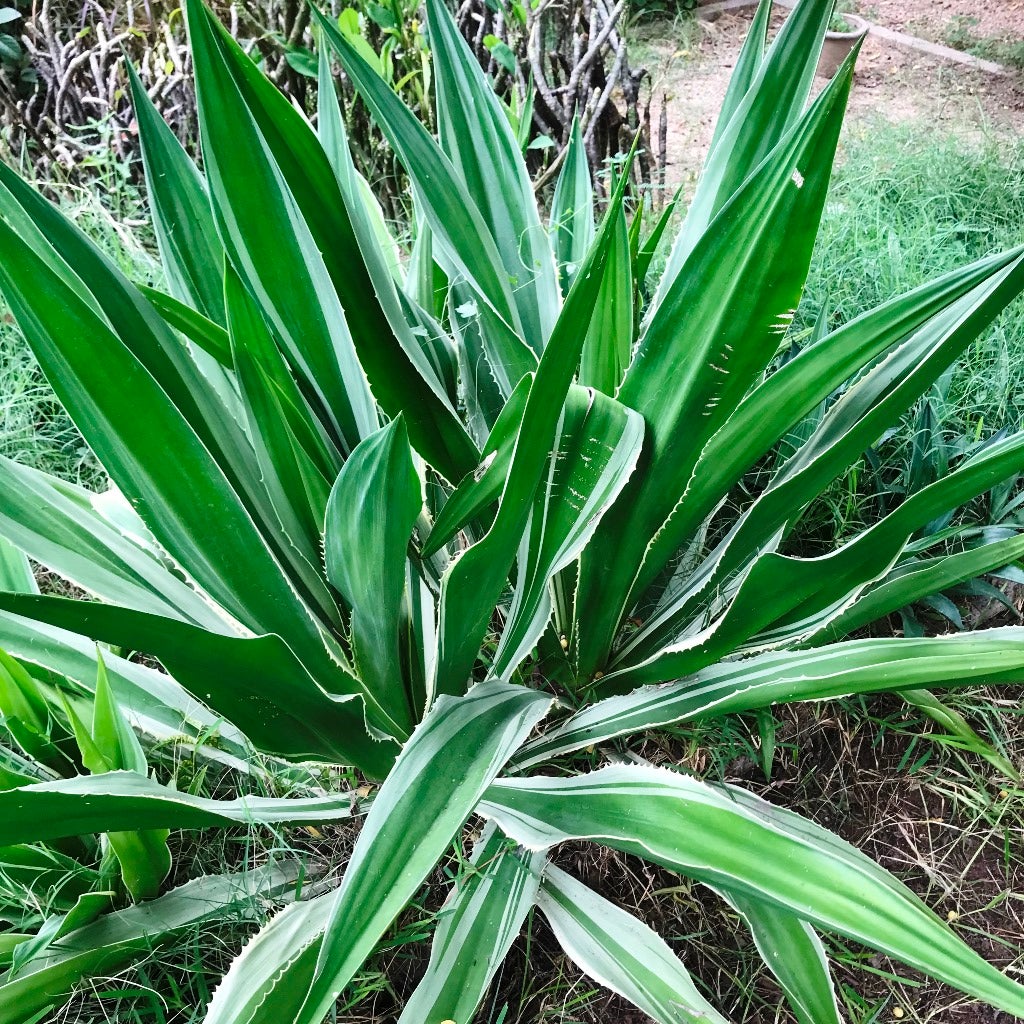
{"x":838,"y":44}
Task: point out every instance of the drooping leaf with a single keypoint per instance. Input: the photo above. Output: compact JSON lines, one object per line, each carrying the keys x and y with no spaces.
{"x":119,"y":938}
{"x":61,"y":525}
{"x":793,"y":952}
{"x":665,"y":817}
{"x":123,"y":801}
{"x":621,"y":952}
{"x":240,"y":677}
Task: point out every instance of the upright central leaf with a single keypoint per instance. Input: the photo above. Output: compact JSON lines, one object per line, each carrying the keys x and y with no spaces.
{"x":373,"y":507}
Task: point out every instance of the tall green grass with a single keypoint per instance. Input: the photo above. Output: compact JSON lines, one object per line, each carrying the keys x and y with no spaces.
{"x":909,"y":202}
{"x":34,"y":429}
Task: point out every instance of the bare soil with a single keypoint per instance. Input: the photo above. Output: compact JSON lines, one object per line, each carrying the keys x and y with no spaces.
{"x":690,"y":64}
{"x":930,"y":18}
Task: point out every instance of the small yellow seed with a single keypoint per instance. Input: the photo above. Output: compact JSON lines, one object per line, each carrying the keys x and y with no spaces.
{"x":1003,"y":794}
{"x":898,"y":1012}
{"x":565,"y":643}
{"x":952,"y":915}
{"x":599,"y":675}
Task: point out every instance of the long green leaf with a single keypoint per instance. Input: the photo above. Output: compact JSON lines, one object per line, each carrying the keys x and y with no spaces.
{"x":596,"y":448}
{"x":81,"y":356}
{"x":459,"y":232}
{"x":76,"y":264}
{"x":621,"y":952}
{"x":609,"y":344}
{"x":797,"y":597}
{"x":477,"y":137}
{"x":123,"y":801}
{"x":483,"y":487}
{"x":798,"y":387}
{"x":409,"y":374}
{"x":753,"y":122}
{"x":909,"y":582}
{"x":472,"y":585}
{"x":476,"y":928}
{"x":373,"y":508}
{"x":268,"y":981}
{"x":296,"y":480}
{"x":238,"y":677}
{"x":60,"y":525}
{"x":190,"y":249}
{"x":440,"y":775}
{"x":153,"y":701}
{"x":572,"y":209}
{"x":709,"y":339}
{"x":855,"y":666}
{"x":708,"y":832}
{"x":267,"y":239}
{"x":16,"y":570}
{"x":117,"y":939}
{"x":851,"y":425}
{"x":793,"y":952}
{"x":209,"y":336}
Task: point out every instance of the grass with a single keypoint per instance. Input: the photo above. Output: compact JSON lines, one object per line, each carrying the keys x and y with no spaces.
{"x":961,"y":33}
{"x":34,"y":429}
{"x":905,"y":206}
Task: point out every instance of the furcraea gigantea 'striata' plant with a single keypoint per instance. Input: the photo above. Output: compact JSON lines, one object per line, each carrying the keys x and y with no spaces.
{"x":447,"y":517}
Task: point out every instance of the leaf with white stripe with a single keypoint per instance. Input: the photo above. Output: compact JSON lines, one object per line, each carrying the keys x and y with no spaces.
{"x":444,"y":769}
{"x":708,"y":832}
{"x":269,"y":979}
{"x":596,"y":447}
{"x":855,"y":666}
{"x":475,"y":930}
{"x":621,"y":953}
{"x":793,"y":952}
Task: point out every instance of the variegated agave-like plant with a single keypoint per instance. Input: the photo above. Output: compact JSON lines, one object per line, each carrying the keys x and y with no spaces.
{"x":379,"y":508}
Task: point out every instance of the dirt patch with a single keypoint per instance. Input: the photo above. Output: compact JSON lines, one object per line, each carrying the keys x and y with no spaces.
{"x":691,"y":62}
{"x":933,"y":19}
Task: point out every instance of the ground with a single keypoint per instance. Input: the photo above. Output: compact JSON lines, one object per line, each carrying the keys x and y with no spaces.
{"x":932,"y":18}
{"x":691,"y":61}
